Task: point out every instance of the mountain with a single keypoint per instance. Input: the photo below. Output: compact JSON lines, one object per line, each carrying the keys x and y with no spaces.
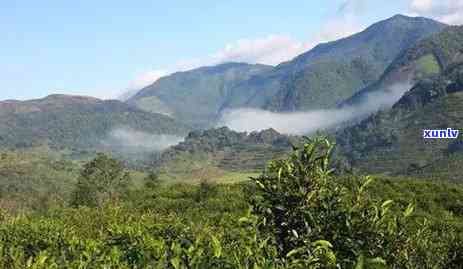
{"x":195,"y":97}
{"x":392,"y":141}
{"x":334,"y":71}
{"x":75,"y":122}
{"x":319,"y":78}
{"x":427,"y":58}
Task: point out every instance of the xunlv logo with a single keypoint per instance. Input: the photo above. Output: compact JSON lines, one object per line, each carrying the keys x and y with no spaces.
{"x":440,"y":134}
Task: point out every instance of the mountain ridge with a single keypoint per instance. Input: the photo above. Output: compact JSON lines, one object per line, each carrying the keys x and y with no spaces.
{"x":441,"y":49}
{"x":194,"y":97}
{"x":74,"y":122}
{"x":308,"y":81}
{"x":320,"y":78}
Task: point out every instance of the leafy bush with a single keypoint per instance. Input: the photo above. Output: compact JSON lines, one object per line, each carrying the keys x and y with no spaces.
{"x":101,"y":179}
{"x":316,"y":221}
{"x":297,"y":214}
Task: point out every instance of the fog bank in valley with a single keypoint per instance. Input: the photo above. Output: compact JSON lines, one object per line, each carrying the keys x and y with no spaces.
{"x":298,"y":123}
{"x":127,"y":139}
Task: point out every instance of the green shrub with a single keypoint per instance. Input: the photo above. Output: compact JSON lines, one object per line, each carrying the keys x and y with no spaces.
{"x":101,"y":179}
{"x":298,"y":214}
{"x":316,"y":221}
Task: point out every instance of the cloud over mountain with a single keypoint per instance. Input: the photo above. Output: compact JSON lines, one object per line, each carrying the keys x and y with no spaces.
{"x":307,"y":122}
{"x":448,"y":11}
{"x":141,"y":81}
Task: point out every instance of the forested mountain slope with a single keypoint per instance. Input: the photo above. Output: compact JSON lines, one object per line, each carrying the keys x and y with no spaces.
{"x":195,"y":97}
{"x":429,"y":57}
{"x":392,"y":141}
{"x":332,"y":72}
{"x":75,"y":122}
{"x":320,"y":78}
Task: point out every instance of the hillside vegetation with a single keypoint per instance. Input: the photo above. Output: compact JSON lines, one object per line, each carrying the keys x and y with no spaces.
{"x":219,"y":152}
{"x":429,"y":57}
{"x":319,"y":78}
{"x":296,"y":214}
{"x":392,"y":141}
{"x":195,"y":97}
{"x":75,"y":122}
{"x":331,"y":72}
{"x":34,"y":180}
{"x":226,"y":199}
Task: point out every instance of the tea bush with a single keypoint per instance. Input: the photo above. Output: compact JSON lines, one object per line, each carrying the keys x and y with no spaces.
{"x":297,"y":214}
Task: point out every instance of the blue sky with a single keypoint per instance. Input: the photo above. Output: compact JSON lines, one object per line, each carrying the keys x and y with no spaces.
{"x":102,"y":48}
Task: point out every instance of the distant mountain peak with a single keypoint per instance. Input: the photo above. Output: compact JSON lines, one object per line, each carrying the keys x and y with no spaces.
{"x":400,"y":18}
{"x":403,"y":17}
{"x":55,"y":98}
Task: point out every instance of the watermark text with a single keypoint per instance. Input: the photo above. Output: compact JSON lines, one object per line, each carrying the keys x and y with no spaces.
{"x":448,"y":133}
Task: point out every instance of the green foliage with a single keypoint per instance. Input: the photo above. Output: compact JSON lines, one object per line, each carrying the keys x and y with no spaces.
{"x":297,"y":214}
{"x":391,"y":141}
{"x":205,"y":191}
{"x":195,"y":97}
{"x":319,"y":222}
{"x":324,"y":84}
{"x":223,"y":150}
{"x":34,"y":180}
{"x":101,"y":180}
{"x":318,"y":78}
{"x":76,"y":123}
{"x":427,"y":65}
{"x":330,"y":73}
{"x":152,"y":181}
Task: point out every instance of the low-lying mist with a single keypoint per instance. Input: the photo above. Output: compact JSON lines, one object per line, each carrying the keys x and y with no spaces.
{"x":129,"y":140}
{"x":299,"y":123}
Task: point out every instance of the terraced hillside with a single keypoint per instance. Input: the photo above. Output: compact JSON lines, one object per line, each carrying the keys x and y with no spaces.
{"x":222,"y":150}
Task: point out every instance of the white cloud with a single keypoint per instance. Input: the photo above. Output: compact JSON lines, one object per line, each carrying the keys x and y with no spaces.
{"x":448,"y":11}
{"x":277,"y":48}
{"x":141,"y":81}
{"x":274,"y":48}
{"x":147,"y":78}
{"x":127,"y":139}
{"x":271,"y":49}
{"x":421,"y":5}
{"x":335,"y":29}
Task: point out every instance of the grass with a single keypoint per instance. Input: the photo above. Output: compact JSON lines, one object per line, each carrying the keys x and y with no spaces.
{"x":427,"y":65}
{"x":209,"y":174}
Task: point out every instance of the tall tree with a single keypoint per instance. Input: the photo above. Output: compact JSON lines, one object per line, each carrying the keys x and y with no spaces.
{"x":100,"y":180}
